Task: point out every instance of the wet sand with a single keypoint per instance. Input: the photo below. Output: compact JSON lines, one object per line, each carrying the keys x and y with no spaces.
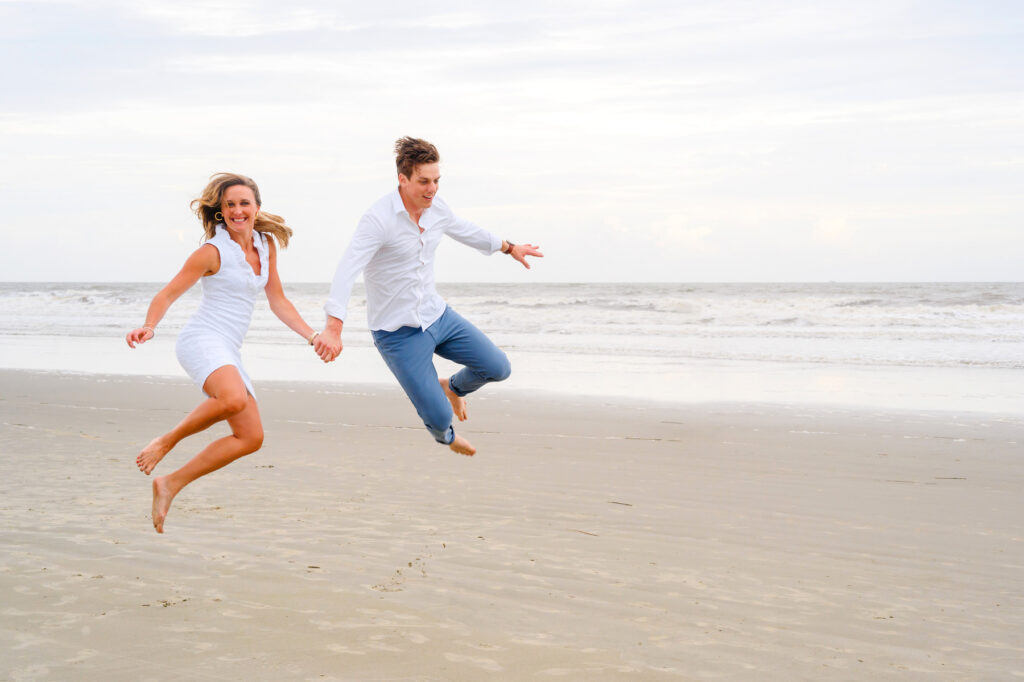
{"x":587,"y":540}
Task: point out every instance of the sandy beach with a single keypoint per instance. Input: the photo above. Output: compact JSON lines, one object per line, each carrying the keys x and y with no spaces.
{"x":587,"y":540}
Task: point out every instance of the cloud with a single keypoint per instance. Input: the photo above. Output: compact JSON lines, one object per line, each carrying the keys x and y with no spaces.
{"x":675,"y":234}
{"x":232,"y":18}
{"x":835,"y":233}
{"x":722,"y":130}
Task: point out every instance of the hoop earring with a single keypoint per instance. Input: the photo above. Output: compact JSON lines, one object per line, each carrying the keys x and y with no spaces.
{"x":218,"y":216}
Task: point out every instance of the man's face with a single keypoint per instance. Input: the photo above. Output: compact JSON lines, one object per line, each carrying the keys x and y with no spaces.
{"x":419,"y":190}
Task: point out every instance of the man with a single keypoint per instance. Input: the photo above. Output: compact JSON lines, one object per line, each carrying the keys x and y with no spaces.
{"x":394,"y":245}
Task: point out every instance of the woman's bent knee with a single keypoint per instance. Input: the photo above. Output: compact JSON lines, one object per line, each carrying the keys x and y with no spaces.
{"x":254,"y":443}
{"x":250,"y":442}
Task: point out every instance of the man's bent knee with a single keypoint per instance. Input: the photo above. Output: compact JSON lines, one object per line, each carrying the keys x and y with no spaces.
{"x":502,"y":369}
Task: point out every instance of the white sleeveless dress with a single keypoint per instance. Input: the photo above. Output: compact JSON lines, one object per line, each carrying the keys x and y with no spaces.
{"x":212,"y":338}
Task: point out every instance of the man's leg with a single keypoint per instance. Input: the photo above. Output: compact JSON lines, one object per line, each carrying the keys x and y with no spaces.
{"x":409,"y":354}
{"x":459,"y":341}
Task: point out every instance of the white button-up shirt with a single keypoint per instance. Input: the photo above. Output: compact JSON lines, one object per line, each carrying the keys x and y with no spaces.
{"x":397,"y":262}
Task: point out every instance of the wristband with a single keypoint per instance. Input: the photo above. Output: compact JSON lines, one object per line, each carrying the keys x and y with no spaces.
{"x":510,"y":245}
{"x":313,"y":338}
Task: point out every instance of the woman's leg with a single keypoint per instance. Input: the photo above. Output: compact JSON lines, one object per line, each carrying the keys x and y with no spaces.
{"x":228,"y":397}
{"x":246,"y":437}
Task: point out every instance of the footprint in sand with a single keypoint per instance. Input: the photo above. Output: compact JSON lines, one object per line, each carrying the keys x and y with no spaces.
{"x":32,"y":672}
{"x":235,"y":614}
{"x":488,"y":664}
{"x":416,"y":637}
{"x":560,"y":672}
{"x":377,"y":642}
{"x":82,"y":656}
{"x":342,"y":649}
{"x":481,"y":646}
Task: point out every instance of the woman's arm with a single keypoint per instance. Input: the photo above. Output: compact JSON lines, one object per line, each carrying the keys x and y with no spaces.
{"x":204,"y":260}
{"x":279,"y":303}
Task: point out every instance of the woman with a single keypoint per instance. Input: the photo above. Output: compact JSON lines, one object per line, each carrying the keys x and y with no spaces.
{"x":236,"y":263}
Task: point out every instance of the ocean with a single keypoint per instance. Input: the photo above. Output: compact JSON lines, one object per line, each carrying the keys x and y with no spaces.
{"x":947,"y":346}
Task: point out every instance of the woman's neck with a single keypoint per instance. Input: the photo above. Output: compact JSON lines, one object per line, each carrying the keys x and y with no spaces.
{"x":243,"y":240}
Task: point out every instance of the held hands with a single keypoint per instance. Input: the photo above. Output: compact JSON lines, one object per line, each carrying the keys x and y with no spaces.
{"x":140,"y":335}
{"x":521,"y":251}
{"x":328,"y":345}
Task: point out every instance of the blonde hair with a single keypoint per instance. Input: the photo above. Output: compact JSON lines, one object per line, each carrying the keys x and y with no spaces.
{"x":207,"y":206}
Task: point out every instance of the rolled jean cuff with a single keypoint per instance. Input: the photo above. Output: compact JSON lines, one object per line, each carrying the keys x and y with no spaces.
{"x":449,"y":434}
{"x":455,"y":389}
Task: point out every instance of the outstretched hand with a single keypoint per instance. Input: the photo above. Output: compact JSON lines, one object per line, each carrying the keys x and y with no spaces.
{"x":327,"y":345}
{"x":521,"y":251}
{"x":140,"y":335}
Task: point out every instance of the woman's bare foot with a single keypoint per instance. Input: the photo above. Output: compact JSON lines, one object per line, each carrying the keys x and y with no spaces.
{"x":458,"y":402}
{"x":462,"y":446}
{"x":162,"y":496}
{"x":151,"y":455}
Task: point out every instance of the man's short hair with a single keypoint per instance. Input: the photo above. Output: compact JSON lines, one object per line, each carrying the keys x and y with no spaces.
{"x":411,"y":152}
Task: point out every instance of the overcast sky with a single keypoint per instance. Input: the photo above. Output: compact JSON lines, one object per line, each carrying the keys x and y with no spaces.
{"x":633,"y":141}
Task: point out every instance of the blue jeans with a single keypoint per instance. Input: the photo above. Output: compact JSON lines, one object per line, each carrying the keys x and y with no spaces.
{"x":409,"y":354}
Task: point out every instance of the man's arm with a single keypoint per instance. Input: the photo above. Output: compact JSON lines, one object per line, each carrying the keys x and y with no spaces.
{"x":487,"y":242}
{"x":521,"y":251}
{"x":471,"y":234}
{"x":368,"y":238}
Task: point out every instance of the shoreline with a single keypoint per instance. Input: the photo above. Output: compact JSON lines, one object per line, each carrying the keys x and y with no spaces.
{"x":510,"y":391}
{"x":587,"y":539}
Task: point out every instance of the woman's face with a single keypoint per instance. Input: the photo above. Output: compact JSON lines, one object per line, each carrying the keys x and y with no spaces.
{"x":239,"y":208}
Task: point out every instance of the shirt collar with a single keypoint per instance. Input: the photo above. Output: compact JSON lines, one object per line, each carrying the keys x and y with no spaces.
{"x":396,"y":202}
{"x":398,"y":207}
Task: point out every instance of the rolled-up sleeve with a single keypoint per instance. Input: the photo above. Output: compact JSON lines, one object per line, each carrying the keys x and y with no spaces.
{"x":365,"y":242}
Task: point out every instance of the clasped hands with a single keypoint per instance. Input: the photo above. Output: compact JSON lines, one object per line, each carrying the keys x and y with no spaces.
{"x":327,"y":345}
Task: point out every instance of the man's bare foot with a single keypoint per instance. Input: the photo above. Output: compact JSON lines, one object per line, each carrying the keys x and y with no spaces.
{"x":162,"y":496}
{"x":458,"y":402}
{"x":151,"y":455}
{"x":462,"y":446}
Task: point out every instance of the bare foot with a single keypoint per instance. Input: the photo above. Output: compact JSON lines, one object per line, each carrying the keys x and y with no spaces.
{"x":151,"y":455}
{"x":458,"y":402}
{"x":461,"y":446}
{"x":162,"y":496}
